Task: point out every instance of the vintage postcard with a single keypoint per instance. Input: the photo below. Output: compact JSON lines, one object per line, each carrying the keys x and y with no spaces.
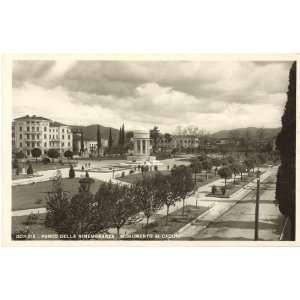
{"x":150,"y":150}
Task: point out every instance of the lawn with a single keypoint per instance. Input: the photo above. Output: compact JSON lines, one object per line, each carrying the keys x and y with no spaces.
{"x":34,"y":195}
{"x":37,"y":228}
{"x":175,"y":221}
{"x":133,"y":178}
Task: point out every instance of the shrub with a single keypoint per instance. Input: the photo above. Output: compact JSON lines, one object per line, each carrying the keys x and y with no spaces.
{"x":213,"y":189}
{"x":29,"y":170}
{"x":31,"y":219}
{"x":45,"y":160}
{"x":71,"y":172}
{"x":223,"y":190}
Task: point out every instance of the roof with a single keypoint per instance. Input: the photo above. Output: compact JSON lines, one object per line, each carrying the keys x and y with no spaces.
{"x":56,"y":124}
{"x":33,"y":117}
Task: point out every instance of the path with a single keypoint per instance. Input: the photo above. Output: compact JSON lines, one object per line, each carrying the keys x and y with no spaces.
{"x":235,"y":220}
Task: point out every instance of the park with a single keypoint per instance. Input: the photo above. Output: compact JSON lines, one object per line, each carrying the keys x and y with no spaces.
{"x":138,"y":196}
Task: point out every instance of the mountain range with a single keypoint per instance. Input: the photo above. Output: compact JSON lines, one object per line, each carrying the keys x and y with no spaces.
{"x":253,"y":132}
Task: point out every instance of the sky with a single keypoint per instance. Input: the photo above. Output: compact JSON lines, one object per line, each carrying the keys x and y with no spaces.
{"x":210,"y":95}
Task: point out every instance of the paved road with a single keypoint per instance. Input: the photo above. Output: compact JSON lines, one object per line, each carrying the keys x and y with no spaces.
{"x":238,"y":222}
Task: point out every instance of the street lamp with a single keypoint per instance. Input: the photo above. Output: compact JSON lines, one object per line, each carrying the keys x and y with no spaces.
{"x":257,"y":205}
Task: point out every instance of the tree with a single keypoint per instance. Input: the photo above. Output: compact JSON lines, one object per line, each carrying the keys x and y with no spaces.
{"x":29,"y":170}
{"x":250,"y":164}
{"x":286,"y":144}
{"x":146,"y":195}
{"x":110,"y":141}
{"x":78,"y":215}
{"x":71,"y":172}
{"x":236,"y":169}
{"x":36,"y":152}
{"x":168,"y":137}
{"x":207,"y":165}
{"x":167,"y":192}
{"x":154,"y":135}
{"x":99,"y":142}
{"x":184,"y":183}
{"x":118,"y":204}
{"x":20,"y":155}
{"x":196,"y":166}
{"x":68,"y":154}
{"x":225,"y":173}
{"x":52,"y":153}
{"x":81,"y":143}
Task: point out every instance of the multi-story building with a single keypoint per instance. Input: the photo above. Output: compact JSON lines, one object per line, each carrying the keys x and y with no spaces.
{"x":31,"y":132}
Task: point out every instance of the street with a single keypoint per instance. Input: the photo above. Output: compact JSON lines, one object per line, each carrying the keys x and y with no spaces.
{"x":238,"y":222}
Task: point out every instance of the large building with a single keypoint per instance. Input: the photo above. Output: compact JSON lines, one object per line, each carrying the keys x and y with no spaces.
{"x":31,"y":132}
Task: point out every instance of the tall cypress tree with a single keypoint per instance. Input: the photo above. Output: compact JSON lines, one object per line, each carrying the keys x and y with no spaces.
{"x":81,"y":142}
{"x":110,"y":140}
{"x":122,"y":136}
{"x":286,"y":144}
{"x":98,"y":140}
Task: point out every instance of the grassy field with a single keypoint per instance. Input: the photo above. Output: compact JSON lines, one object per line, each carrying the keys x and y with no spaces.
{"x":34,"y":195}
{"x":133,"y":178}
{"x":19,"y":223}
{"x":175,"y":221}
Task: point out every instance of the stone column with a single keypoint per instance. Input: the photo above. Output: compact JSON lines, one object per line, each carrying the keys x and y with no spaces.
{"x":135,"y":147}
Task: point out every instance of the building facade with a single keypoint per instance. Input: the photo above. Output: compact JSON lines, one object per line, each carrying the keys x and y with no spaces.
{"x":31,"y":132}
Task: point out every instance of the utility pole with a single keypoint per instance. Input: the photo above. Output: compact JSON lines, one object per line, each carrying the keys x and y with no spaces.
{"x":257,"y":207}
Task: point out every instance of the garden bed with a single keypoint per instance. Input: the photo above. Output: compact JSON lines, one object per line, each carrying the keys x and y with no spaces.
{"x":175,"y":221}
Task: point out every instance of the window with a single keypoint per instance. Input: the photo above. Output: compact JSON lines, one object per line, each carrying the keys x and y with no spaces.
{"x":20,"y":128}
{"x":63,"y":130}
{"x":28,"y":128}
{"x":38,"y":129}
{"x":69,"y":144}
{"x":69,"y":137}
{"x":38,"y":144}
{"x":45,"y":144}
{"x":13,"y":134}
{"x":38,"y":136}
{"x":32,"y":144}
{"x":45,"y":129}
{"x":45,"y":136}
{"x":62,"y":144}
{"x":45,"y":151}
{"x":20,"y":144}
{"x":32,"y":128}
{"x":33,"y":136}
{"x":28,"y":144}
{"x":21,"y":135}
{"x":63,"y":137}
{"x":28,"y":152}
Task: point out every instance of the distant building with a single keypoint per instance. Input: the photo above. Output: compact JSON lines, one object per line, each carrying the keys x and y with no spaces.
{"x":29,"y":132}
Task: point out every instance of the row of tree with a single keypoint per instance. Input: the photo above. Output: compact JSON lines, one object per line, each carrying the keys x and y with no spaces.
{"x":114,"y":205}
{"x":225,"y":167}
{"x":37,"y":152}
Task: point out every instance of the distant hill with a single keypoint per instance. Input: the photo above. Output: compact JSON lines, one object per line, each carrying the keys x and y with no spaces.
{"x":90,"y":132}
{"x":268,"y":133}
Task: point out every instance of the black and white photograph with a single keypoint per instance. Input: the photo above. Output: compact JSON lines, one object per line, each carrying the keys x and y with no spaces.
{"x":156,"y":149}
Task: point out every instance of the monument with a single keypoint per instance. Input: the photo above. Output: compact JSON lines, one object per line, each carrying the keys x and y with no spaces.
{"x":141,"y":147}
